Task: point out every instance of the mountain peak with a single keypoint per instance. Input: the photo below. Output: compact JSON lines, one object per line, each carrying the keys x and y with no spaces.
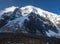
{"x":34,"y":16}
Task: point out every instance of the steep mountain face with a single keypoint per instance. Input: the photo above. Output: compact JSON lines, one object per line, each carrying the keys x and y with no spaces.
{"x":30,"y":19}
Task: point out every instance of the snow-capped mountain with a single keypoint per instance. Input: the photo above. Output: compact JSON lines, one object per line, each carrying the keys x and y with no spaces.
{"x":30,"y":19}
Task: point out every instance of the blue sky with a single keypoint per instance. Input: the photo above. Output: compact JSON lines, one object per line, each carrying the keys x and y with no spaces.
{"x":49,"y":5}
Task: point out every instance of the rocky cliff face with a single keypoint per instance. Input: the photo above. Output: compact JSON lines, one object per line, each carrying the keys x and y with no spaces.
{"x":31,"y":20}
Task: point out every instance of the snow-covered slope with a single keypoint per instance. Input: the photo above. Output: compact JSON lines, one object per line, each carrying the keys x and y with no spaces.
{"x":30,"y":19}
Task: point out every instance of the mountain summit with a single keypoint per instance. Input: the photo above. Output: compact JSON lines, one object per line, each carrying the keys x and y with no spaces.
{"x":31,"y":20}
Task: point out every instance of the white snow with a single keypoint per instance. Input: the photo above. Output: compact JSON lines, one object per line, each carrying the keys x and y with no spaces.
{"x":9,"y":9}
{"x":53,"y":34}
{"x":47,"y":43}
{"x":26,"y":10}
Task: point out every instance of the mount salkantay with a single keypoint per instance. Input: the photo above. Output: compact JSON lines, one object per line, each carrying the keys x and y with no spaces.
{"x":30,"y":19}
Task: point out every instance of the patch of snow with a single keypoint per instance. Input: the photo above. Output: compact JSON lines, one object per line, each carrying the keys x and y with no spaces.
{"x":47,"y":43}
{"x":52,"y":34}
{"x":26,"y":10}
{"x":9,"y":9}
